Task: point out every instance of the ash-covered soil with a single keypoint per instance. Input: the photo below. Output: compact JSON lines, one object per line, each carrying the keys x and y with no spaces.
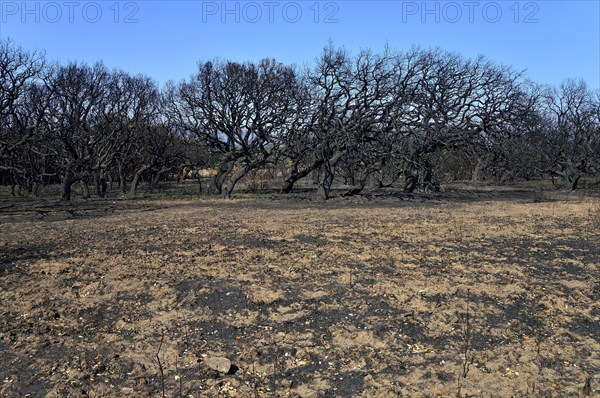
{"x":485,"y":297}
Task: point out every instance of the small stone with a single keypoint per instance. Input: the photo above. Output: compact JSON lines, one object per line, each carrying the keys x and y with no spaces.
{"x":220,"y":364}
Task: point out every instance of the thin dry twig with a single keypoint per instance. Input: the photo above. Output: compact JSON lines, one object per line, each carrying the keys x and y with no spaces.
{"x":160,"y":367}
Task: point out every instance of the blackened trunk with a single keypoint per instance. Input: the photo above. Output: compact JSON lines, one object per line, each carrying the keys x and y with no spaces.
{"x":85,"y":190}
{"x":219,"y":180}
{"x":479,"y":167}
{"x":157,"y":178}
{"x":136,"y":180}
{"x":67,"y":186}
{"x":298,"y":175}
{"x":324,"y":191}
{"x":411,"y":183}
{"x":101,"y":185}
{"x":234,"y":179}
{"x":430,"y":181}
{"x":575,"y":182}
{"x":122,"y":183}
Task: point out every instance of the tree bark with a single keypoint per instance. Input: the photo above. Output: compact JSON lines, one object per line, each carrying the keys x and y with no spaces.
{"x":157,"y":177}
{"x":233,"y":180}
{"x":431,"y":182}
{"x":411,"y":183}
{"x":67,"y":186}
{"x":476,"y":175}
{"x":101,"y":185}
{"x":217,"y":184}
{"x":136,"y":180}
{"x":575,"y":182}
{"x":122,"y":183}
{"x":85,"y":190}
{"x":324,"y":191}
{"x":298,"y":175}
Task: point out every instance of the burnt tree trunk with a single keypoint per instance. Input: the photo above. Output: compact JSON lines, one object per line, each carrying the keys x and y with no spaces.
{"x":136,"y":180}
{"x":297,"y":175}
{"x":67,"y":186}
{"x":575,"y":182}
{"x":324,"y":191}
{"x":85,"y":190}
{"x":217,"y":184}
{"x":157,"y":177}
{"x":241,"y":172}
{"x":412,"y":181}
{"x":476,"y":174}
{"x":122,"y":183}
{"x":101,"y":184}
{"x":233,"y":180}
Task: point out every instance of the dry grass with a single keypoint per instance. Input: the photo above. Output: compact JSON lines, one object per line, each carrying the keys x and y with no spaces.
{"x":496,"y":296}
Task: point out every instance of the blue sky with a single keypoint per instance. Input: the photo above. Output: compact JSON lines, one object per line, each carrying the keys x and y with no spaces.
{"x":552,"y":40}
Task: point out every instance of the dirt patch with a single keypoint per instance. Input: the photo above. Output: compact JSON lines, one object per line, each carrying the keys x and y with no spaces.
{"x":380,"y":297}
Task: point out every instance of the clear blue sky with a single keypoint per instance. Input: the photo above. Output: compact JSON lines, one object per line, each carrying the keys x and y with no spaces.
{"x":552,"y":40}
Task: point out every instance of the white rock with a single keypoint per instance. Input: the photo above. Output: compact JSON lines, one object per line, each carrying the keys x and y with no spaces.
{"x":220,"y":364}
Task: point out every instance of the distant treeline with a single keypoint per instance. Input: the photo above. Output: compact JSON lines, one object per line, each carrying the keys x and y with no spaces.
{"x":413,"y":119}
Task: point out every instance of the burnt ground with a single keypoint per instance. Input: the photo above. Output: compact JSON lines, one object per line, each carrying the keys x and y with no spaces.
{"x":480,"y":294}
